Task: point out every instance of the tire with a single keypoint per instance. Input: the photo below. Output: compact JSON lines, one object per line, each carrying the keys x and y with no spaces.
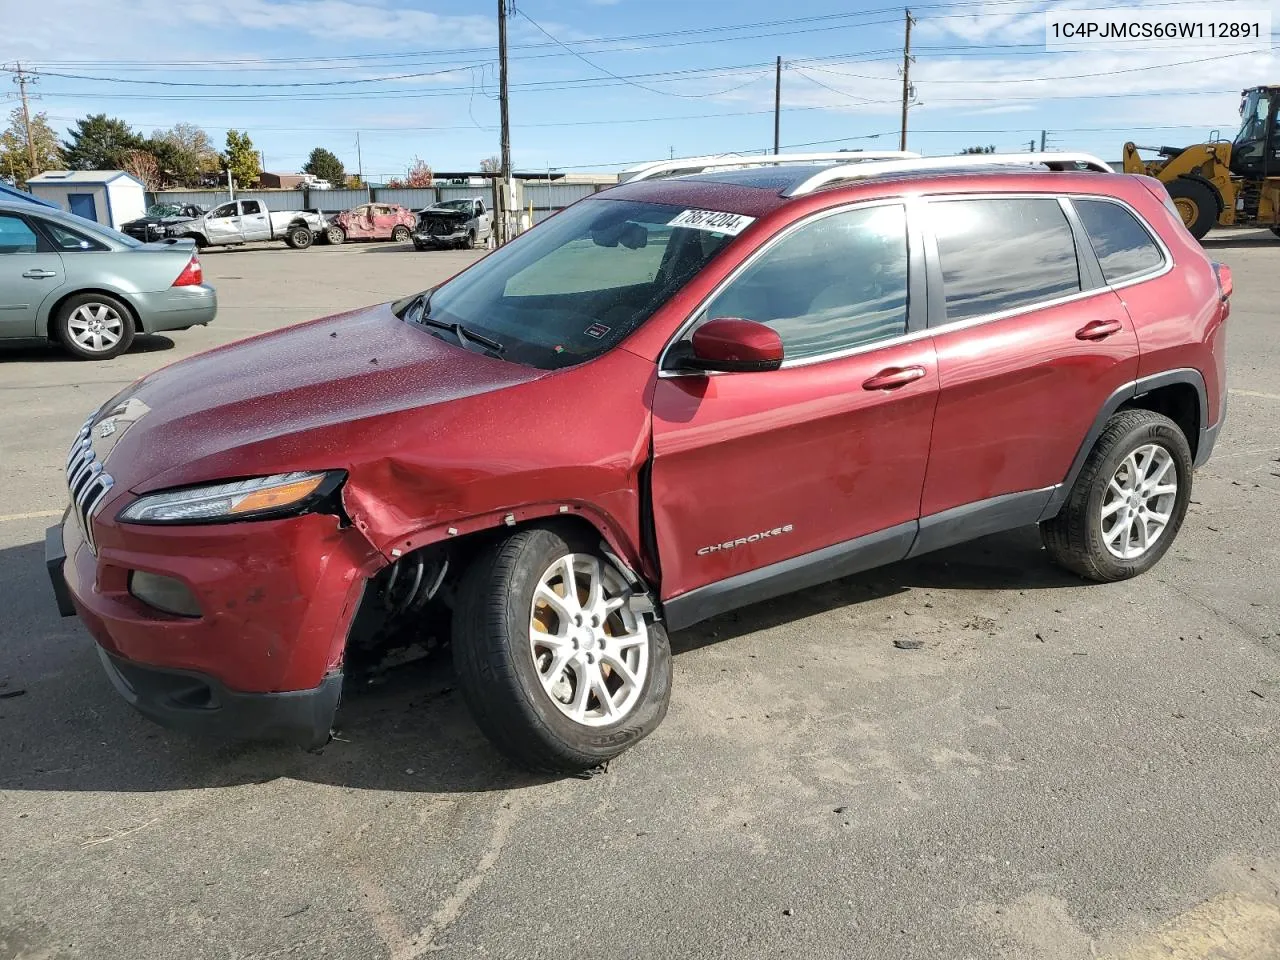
{"x":495,"y":644}
{"x":89,"y":318}
{"x":400,"y":234}
{"x":469,"y":241}
{"x":1198,"y":203}
{"x":336,"y":235}
{"x":299,"y":238}
{"x":1077,"y":538}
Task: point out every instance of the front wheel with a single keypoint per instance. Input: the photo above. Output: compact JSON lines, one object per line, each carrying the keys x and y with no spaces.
{"x":299,"y":238}
{"x":400,"y":234}
{"x":1128,"y":502}
{"x":557,"y":667}
{"x":469,"y":241}
{"x":336,"y":235}
{"x":1197,"y":203}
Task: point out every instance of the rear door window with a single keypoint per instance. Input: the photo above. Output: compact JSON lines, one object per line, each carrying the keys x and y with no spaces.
{"x":1122,"y":244}
{"x":252,"y":206}
{"x":1002,"y":253}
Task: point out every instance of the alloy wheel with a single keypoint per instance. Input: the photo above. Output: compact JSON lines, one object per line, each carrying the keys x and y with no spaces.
{"x":589,"y":647}
{"x":1139,"y":502}
{"x":95,"y":327}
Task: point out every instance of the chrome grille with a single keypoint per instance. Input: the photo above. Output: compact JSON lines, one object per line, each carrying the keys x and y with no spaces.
{"x":86,"y":481}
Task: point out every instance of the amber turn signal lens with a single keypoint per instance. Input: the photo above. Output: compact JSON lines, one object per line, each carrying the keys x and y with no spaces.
{"x":280,"y":496}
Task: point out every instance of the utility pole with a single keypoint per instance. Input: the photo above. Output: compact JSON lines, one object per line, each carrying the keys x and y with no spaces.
{"x":359,"y":159}
{"x":1043,"y":135}
{"x":777,"y":109}
{"x":504,"y":107}
{"x":906,"y":81}
{"x":21,"y":79}
{"x":1031,"y":147}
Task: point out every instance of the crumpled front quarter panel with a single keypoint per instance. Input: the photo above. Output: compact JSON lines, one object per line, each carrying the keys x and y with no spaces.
{"x":577,"y":439}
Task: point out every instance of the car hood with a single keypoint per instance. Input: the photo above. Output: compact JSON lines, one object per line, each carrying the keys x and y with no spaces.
{"x":443,"y":211}
{"x":301,"y":398}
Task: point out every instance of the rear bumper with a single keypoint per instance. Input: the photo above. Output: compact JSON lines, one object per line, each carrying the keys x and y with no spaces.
{"x":195,"y":703}
{"x":176,"y":308}
{"x":1209,"y":435}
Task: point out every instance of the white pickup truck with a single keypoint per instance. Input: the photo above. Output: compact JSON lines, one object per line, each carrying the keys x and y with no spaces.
{"x":247,"y":221}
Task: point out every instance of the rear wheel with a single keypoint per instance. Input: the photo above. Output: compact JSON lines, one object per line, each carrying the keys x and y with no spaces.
{"x":1128,"y":502}
{"x":558,"y":668}
{"x":1197,"y":202}
{"x":94,"y":326}
{"x":400,"y":234}
{"x":299,"y":238}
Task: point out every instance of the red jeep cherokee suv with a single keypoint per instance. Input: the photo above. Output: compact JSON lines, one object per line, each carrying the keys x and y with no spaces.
{"x":677,"y":397}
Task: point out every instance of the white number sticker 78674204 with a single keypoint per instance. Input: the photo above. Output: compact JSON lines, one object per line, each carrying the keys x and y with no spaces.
{"x":715,"y":221}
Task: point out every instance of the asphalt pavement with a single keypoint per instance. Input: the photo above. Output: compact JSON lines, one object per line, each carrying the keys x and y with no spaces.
{"x":1061,"y":771}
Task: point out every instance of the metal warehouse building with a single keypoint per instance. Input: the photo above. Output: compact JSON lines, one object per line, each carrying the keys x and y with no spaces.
{"x":109,"y":197}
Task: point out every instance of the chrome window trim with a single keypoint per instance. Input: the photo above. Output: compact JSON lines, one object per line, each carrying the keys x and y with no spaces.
{"x":1141,"y":276}
{"x":903,"y":201}
{"x":917,"y":206}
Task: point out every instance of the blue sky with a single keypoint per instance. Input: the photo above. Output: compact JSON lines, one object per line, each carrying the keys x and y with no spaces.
{"x":426,"y":80}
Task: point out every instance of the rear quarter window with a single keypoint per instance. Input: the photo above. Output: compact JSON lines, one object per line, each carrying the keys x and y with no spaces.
{"x":1000,"y":253}
{"x":1123,"y":246}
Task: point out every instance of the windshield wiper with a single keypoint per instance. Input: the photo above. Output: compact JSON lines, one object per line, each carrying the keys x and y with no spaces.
{"x":463,"y":335}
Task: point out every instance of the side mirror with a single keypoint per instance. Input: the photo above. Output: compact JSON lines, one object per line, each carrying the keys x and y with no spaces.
{"x":731,"y":345}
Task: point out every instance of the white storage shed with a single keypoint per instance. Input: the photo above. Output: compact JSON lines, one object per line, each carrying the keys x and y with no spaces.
{"x":109,"y":197}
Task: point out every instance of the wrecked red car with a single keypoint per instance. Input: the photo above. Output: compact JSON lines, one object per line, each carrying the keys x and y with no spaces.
{"x":672,"y":399}
{"x":371,"y":221}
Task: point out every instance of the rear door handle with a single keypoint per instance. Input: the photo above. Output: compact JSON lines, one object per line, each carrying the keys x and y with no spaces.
{"x":894,"y":378}
{"x":1099,"y":329}
{"x":40,"y":274}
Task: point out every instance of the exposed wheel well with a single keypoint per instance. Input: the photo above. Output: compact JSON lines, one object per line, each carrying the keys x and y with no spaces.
{"x":1179,"y":402}
{"x":53,"y":310}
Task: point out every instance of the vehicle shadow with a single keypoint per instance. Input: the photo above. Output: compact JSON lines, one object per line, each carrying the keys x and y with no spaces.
{"x":63,"y":728}
{"x":46,"y":351}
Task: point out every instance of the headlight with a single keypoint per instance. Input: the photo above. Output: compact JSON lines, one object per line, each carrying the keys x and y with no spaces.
{"x":259,"y":498}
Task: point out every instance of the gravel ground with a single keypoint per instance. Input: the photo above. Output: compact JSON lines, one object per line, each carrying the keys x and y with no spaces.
{"x":1060,"y":771}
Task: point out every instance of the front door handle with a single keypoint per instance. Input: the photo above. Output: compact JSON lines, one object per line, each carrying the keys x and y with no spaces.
{"x":40,"y":274}
{"x":893,"y":378}
{"x":1099,"y":329}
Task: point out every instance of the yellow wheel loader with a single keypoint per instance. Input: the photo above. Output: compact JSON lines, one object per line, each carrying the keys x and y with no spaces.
{"x":1223,"y":183}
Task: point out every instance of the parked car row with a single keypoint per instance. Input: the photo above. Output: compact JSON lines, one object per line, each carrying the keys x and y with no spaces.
{"x":463,"y":223}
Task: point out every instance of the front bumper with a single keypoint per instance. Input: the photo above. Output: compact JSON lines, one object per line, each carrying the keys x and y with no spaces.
{"x":192,"y":702}
{"x":264,"y":658}
{"x":439,"y":239}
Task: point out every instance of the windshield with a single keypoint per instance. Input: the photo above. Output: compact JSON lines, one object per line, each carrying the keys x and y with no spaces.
{"x":463,"y":205}
{"x":1253,"y":117}
{"x":163,"y":210}
{"x":577,"y":285}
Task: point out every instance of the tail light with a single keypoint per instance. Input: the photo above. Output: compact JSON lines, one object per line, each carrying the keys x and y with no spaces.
{"x":1225,"y":284}
{"x":192,"y":274}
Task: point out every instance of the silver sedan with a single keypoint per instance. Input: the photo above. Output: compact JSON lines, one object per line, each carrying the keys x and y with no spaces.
{"x":91,"y":288}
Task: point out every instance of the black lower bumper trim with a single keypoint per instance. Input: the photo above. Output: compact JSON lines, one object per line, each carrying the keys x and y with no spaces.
{"x":194,"y":703}
{"x":55,"y":558}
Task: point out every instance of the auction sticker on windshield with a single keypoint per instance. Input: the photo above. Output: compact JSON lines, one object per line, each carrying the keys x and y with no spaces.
{"x":715,"y":221}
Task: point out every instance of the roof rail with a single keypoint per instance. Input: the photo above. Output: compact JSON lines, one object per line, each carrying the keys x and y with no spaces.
{"x":685,"y":165}
{"x":856,"y":171}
